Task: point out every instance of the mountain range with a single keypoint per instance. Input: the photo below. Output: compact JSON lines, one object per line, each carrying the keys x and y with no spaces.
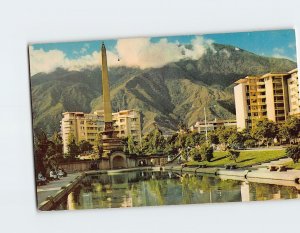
{"x":178,"y":91}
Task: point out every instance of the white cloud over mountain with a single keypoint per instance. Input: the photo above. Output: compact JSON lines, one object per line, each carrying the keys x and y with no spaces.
{"x":281,"y":53}
{"x":138,"y":52}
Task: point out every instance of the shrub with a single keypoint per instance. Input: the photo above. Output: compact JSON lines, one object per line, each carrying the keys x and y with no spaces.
{"x":206,"y":152}
{"x":233,"y":154}
{"x":293,"y":152}
{"x":249,"y":143}
{"x":195,"y":154}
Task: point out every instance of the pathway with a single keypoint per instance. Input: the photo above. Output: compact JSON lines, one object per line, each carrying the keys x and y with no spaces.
{"x":264,"y":166}
{"x":53,"y":187}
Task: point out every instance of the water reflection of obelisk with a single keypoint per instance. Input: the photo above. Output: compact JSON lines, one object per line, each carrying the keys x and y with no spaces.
{"x":112,"y":145}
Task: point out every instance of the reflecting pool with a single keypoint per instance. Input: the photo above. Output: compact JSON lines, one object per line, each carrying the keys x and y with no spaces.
{"x":166,"y":188}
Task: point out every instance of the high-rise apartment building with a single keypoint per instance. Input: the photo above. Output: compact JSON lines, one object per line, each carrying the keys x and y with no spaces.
{"x":87,"y":126}
{"x":272,"y":96}
{"x":293,"y":84}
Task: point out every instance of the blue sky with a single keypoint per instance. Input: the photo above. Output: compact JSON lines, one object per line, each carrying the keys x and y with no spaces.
{"x":268,"y":43}
{"x":156,"y":51}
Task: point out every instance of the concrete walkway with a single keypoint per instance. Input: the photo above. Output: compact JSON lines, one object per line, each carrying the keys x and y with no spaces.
{"x":264,"y":166}
{"x":53,"y":187}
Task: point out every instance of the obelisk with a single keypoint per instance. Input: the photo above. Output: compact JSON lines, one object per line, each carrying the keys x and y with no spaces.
{"x":106,"y":94}
{"x":111,"y":143}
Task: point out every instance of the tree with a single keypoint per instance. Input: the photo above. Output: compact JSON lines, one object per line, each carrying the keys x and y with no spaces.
{"x":133,"y":147}
{"x":195,"y":154}
{"x":40,"y":150}
{"x":189,"y":140}
{"x":98,"y":146}
{"x":183,"y":127}
{"x":180,"y":140}
{"x":249,"y":143}
{"x":213,"y":138}
{"x":290,"y":129}
{"x":53,"y":155}
{"x":184,"y":154}
{"x":206,"y":152}
{"x":57,"y":140}
{"x":236,"y":140}
{"x":170,"y":147}
{"x":73,"y":149}
{"x":85,"y":146}
{"x":265,"y":130}
{"x":154,"y":142}
{"x":48,"y":153}
{"x":224,"y":134}
{"x":293,"y":152}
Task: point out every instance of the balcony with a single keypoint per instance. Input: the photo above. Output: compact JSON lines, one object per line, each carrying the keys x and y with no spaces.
{"x":261,"y":103}
{"x":278,"y":101}
{"x":261,"y":96}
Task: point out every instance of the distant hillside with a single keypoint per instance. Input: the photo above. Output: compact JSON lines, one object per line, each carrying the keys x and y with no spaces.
{"x":177,"y":91}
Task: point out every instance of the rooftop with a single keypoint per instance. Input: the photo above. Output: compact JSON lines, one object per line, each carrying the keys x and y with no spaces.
{"x":244,"y":80}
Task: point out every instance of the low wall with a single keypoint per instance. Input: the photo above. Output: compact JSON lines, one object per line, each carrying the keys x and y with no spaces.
{"x":76,"y":166}
{"x":131,"y":163}
{"x":104,"y":164}
{"x":52,"y":202}
{"x":85,"y":165}
{"x":280,"y":178}
{"x":156,"y":160}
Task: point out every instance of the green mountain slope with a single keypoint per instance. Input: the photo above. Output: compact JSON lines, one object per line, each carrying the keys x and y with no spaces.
{"x":166,"y":95}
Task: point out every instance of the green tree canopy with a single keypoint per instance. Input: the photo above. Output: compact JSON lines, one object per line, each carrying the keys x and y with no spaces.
{"x":154,"y":142}
{"x":293,"y":152}
{"x":290,"y":129}
{"x":85,"y":146}
{"x":265,"y":130}
{"x":73,"y":148}
{"x":98,"y":147}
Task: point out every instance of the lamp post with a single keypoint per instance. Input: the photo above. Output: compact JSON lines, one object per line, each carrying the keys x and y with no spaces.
{"x":205,"y":123}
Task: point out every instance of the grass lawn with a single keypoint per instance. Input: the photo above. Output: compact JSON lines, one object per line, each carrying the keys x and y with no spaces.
{"x":293,"y":165}
{"x":246,"y":158}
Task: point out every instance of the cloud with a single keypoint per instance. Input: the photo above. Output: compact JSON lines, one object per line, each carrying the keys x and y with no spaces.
{"x":41,"y":61}
{"x":278,"y":50}
{"x":141,"y":52}
{"x":278,"y":55}
{"x":48,"y":61}
{"x":83,"y":50}
{"x":137,"y":52}
{"x":225,"y":53}
{"x":292,"y":45}
{"x":281,"y":53}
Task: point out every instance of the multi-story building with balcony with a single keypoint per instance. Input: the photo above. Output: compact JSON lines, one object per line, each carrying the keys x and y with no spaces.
{"x":293,"y":84}
{"x":87,"y":126}
{"x":272,"y":96}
